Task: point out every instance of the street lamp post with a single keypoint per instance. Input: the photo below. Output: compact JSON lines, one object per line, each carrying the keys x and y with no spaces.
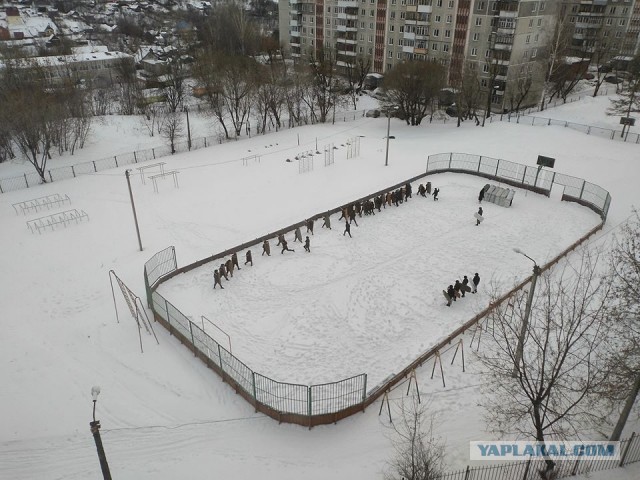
{"x":389,"y":110}
{"x":133,"y":207}
{"x":527,"y":312}
{"x":95,"y":430}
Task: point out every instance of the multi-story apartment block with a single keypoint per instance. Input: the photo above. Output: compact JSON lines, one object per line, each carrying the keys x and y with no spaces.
{"x":602,"y":24}
{"x":505,"y":41}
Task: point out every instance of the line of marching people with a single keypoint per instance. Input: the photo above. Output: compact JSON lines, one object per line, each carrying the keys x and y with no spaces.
{"x":458,"y":289}
{"x":349,"y":213}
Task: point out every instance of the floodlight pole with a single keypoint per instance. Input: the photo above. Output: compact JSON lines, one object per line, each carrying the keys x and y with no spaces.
{"x":527,"y":311}
{"x":133,"y":207}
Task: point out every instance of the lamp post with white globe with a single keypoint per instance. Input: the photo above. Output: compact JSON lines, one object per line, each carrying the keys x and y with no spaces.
{"x":95,"y":430}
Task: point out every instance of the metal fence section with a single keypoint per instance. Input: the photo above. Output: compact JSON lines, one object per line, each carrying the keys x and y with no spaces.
{"x":534,"y":120}
{"x":526,"y":176}
{"x":304,"y":404}
{"x":528,"y":470}
{"x":32,"y":179}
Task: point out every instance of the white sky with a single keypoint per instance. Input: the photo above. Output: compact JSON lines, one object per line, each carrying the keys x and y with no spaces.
{"x":367,"y":304}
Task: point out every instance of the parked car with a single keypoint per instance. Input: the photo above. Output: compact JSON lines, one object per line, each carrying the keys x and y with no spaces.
{"x":452,"y":110}
{"x":373,"y":113}
{"x":612,"y":79}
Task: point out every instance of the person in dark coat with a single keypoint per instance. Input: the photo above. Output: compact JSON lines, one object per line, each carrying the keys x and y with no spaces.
{"x":326,"y":221}
{"x":266,"y":248}
{"x":422,"y":190}
{"x":352,"y":214}
{"x":452,"y":294}
{"x":436,"y":191}
{"x":298,"y":235}
{"x":481,"y":195}
{"x":310,"y":226}
{"x":457,"y":288}
{"x":475,"y":281}
{"x":248,"y":258}
{"x":234,"y":258}
{"x":479,"y":213}
{"x":229,"y":265}
{"x":347,"y":229}
{"x":280,"y":239}
{"x":223,"y":272}
{"x":465,"y":283}
{"x":407,"y":192}
{"x":307,"y":244}
{"x":428,"y":188}
{"x":216,"y":279}
{"x":286,"y":247}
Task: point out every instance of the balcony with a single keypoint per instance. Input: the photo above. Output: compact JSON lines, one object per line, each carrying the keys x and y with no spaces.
{"x":348,"y":41}
{"x":294,"y":33}
{"x":347,"y":4}
{"x":503,"y":46}
{"x":501,"y":78}
{"x":506,"y":31}
{"x":345,"y":28}
{"x":348,"y":16}
{"x":407,"y":49}
{"x":425,"y":8}
{"x":294,"y":23}
{"x":420,"y":51}
{"x":508,"y":14}
{"x":409,"y":36}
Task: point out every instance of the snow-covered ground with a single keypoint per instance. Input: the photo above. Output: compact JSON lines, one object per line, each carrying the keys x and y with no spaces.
{"x":364,"y":304}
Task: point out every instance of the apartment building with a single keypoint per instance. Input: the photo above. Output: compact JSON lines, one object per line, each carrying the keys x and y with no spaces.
{"x":609,"y":24}
{"x":507,"y":42}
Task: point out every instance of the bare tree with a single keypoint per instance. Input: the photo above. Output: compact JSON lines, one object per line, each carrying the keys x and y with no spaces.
{"x":561,"y":366}
{"x":356,"y":70}
{"x":558,"y":50}
{"x":411,"y":87}
{"x":628,"y":100}
{"x":623,"y":383}
{"x":325,"y":83}
{"x":518,"y":89}
{"x":603,"y":53}
{"x":129,"y":94}
{"x":469,"y":94}
{"x":172,"y":128}
{"x":418,"y":454}
{"x":174,"y":89}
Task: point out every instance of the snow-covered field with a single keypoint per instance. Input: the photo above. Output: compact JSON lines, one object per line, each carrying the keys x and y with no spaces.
{"x":367,"y":304}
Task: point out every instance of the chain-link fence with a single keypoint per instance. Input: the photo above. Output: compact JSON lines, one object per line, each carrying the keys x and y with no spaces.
{"x":519,"y":175}
{"x":32,"y":179}
{"x":529,"y":470}
{"x":305,"y":403}
{"x":534,"y":120}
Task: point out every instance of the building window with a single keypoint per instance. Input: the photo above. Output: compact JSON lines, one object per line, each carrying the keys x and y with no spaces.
{"x":436,"y":32}
{"x":476,"y":37}
{"x":535,"y":39}
{"x":480,"y":5}
{"x":621,"y":22}
{"x":328,"y":21}
{"x":531,"y":23}
{"x":539,"y":22}
{"x":474,"y":52}
{"x":609,"y":21}
{"x":391,"y":41}
{"x":612,"y":10}
{"x":528,"y":39}
{"x":625,"y":10}
{"x":434,"y":47}
{"x":485,"y":68}
{"x":447,"y":34}
{"x":388,"y":66}
{"x":542,"y":6}
{"x":534,"y":7}
{"x":534,"y":52}
{"x":478,"y":21}
{"x":487,"y":53}
{"x":392,"y":28}
{"x":400,"y":42}
{"x":390,"y":54}
{"x":370,"y":51}
{"x":363,"y":12}
{"x":399,"y":56}
{"x":525,"y":54}
{"x":438,"y":3}
{"x":328,"y":9}
{"x":438,"y":18}
{"x":449,"y":18}
{"x":451,"y":3}
{"x":371,"y":26}
{"x":401,"y":28}
{"x":494,"y":6}
{"x":372,"y":13}
{"x":362,"y":37}
{"x":370,"y":38}
{"x":484,"y":83}
{"x":393,"y":15}
{"x":618,"y":34}
{"x":403,"y":15}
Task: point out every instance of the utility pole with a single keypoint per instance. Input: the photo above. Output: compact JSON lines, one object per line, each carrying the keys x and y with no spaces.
{"x":133,"y":207}
{"x":186,"y":109}
{"x":527,"y":311}
{"x":386,"y":157}
{"x":95,"y":430}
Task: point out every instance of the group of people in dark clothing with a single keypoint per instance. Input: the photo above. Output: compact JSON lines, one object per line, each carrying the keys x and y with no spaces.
{"x":226,"y":268}
{"x":458,"y":289}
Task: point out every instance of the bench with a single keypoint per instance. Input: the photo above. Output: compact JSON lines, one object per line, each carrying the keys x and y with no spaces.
{"x":153,"y":165}
{"x":173,"y":173}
